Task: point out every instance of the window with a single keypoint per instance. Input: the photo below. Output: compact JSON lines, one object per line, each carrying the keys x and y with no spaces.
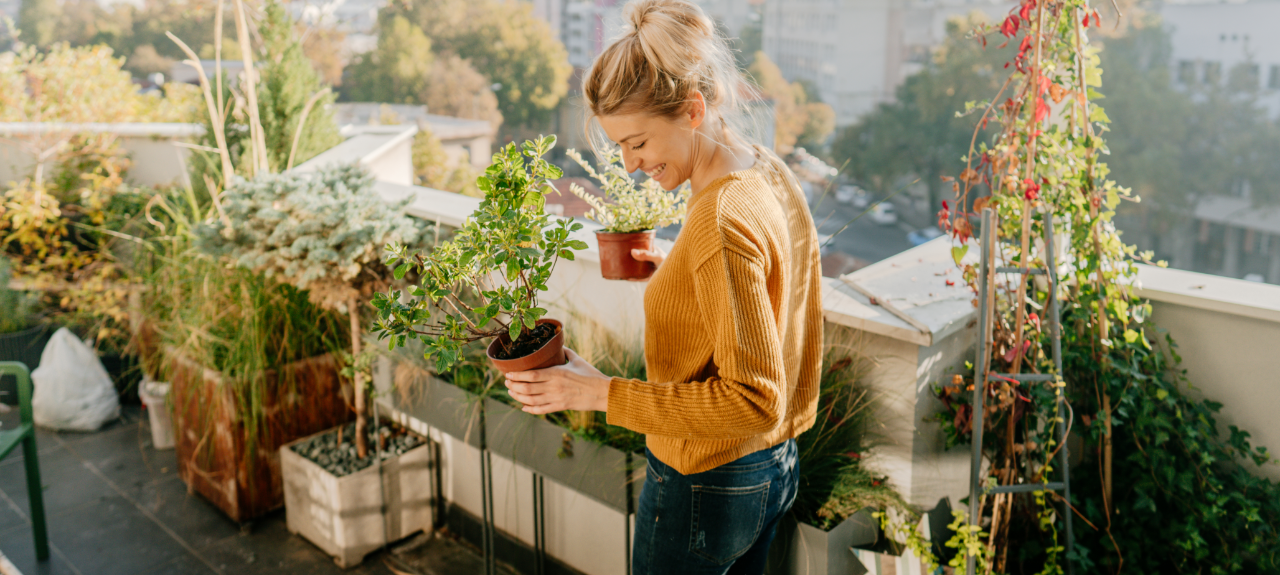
{"x":1187,"y":72}
{"x":1274,"y":81}
{"x":1212,"y":73}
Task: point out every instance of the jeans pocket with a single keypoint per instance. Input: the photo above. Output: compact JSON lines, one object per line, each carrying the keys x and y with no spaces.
{"x":726,"y":520}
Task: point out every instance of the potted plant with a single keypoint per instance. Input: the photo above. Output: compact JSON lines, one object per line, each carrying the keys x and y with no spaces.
{"x":484,"y":283}
{"x":21,"y":337}
{"x":323,"y":233}
{"x":630,"y":215}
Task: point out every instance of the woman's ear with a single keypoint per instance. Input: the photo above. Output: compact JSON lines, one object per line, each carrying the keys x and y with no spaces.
{"x":697,"y":109}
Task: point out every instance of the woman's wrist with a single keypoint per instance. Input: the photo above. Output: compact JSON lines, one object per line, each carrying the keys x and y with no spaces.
{"x":602,"y":395}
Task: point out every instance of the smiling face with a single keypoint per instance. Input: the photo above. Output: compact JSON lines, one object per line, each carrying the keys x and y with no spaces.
{"x":664,"y":148}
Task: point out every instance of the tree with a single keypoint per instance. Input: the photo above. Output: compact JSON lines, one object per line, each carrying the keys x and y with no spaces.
{"x":403,"y":69}
{"x":396,"y":70}
{"x":433,"y":168}
{"x":798,"y":120}
{"x":38,"y":21}
{"x":506,"y":43}
{"x":919,"y":133}
{"x":456,"y":89}
{"x":324,"y":47}
{"x":291,"y":88}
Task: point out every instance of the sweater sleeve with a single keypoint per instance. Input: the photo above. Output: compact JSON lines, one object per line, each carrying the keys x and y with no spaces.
{"x":746,"y":397}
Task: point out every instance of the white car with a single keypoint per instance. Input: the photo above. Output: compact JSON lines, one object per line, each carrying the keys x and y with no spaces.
{"x":884,"y":214}
{"x":845,"y":194}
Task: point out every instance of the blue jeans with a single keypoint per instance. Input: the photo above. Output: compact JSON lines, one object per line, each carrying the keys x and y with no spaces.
{"x":715,"y":522}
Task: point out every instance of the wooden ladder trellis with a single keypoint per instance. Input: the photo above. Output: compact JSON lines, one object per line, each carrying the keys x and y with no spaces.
{"x":986,"y":282}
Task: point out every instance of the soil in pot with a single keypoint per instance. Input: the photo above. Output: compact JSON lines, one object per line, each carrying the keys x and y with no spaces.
{"x":340,"y":459}
{"x":540,"y":348}
{"x":616,"y":262}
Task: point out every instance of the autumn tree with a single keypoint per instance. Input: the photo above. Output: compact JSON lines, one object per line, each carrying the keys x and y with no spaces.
{"x":38,"y":21}
{"x":799,"y":120}
{"x":404,"y":69}
{"x":506,"y":43}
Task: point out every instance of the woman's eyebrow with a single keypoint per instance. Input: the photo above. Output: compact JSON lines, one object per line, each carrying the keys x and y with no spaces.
{"x":629,"y":137}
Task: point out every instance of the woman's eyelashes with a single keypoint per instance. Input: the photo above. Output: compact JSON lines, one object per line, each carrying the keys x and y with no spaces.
{"x":638,"y":146}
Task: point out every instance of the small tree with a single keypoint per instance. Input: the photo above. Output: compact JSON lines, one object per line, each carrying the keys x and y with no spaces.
{"x":319,"y":232}
{"x":493,"y":269}
{"x":627,"y":207}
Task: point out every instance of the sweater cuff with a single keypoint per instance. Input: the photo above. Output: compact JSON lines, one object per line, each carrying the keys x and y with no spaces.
{"x":618,"y":413}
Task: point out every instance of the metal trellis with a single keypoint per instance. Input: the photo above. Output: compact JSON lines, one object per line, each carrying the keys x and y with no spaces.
{"x":986,"y":275}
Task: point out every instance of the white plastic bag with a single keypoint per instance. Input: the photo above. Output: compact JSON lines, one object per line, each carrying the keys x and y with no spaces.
{"x":72,"y":389}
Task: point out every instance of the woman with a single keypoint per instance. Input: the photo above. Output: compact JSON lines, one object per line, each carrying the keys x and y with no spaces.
{"x":733,"y":332}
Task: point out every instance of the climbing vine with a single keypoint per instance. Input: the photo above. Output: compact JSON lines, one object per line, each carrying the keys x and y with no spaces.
{"x":1124,"y":396}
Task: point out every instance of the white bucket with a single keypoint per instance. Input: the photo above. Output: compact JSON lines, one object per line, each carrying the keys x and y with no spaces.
{"x":155,"y":394}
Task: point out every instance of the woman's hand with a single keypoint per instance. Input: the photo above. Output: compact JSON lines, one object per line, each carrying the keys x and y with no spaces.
{"x":576,"y":385}
{"x":655,"y":255}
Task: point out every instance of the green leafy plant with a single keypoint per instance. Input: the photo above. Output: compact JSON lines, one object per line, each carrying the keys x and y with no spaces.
{"x":19,"y":306}
{"x":627,"y":207}
{"x":493,"y":269}
{"x":321,"y":233}
{"x":1159,"y":487}
{"x":835,"y":483}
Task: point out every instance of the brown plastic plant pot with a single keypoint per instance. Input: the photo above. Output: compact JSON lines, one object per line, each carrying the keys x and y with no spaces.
{"x":616,"y":262}
{"x":550,"y":354}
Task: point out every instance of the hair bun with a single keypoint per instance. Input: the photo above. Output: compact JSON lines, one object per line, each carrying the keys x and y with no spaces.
{"x":643,"y":15}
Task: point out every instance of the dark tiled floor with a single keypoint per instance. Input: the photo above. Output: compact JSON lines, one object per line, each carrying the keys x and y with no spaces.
{"x":115,"y":505}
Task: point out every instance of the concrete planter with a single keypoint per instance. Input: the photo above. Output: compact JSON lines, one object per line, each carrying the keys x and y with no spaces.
{"x":348,"y":516}
{"x":597,"y":471}
{"x":802,"y":549}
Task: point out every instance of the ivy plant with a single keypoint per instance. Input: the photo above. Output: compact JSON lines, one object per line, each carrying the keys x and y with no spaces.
{"x":485,"y":281}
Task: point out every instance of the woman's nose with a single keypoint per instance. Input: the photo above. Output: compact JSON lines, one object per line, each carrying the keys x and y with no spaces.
{"x":629,"y":160}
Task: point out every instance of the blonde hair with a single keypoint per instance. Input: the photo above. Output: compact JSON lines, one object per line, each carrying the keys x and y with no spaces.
{"x":669,"y":51}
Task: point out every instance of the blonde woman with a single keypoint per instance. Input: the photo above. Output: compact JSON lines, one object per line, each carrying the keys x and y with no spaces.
{"x":733,"y":333}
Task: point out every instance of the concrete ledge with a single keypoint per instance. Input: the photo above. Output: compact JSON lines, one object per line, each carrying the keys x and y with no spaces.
{"x":1209,"y":292}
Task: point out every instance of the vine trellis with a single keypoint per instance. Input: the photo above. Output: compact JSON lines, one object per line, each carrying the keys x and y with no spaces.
{"x":1044,"y":171}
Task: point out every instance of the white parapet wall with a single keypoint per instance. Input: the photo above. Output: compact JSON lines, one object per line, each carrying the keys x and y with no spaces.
{"x":1226,"y":330}
{"x":159,"y":151}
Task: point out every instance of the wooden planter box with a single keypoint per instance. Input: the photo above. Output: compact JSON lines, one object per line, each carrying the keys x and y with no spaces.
{"x":345,"y":516}
{"x":597,"y":471}
{"x":216,"y":459}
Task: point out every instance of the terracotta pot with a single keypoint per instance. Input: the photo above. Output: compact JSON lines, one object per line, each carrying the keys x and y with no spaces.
{"x":549,"y":355}
{"x":616,"y":262}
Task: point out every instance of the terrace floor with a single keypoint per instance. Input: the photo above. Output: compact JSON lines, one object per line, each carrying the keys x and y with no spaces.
{"x":114,"y":504}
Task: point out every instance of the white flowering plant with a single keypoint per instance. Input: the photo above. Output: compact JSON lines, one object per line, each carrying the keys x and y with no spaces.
{"x":627,"y":207}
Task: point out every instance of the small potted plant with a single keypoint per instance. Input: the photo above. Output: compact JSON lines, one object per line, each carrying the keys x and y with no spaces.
{"x":630,"y":214}
{"x":484,"y":283}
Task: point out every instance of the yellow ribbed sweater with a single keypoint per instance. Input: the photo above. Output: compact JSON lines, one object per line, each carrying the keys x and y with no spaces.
{"x":733,"y":326}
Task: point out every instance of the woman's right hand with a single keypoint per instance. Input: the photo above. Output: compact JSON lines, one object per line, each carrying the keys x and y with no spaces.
{"x":655,"y":255}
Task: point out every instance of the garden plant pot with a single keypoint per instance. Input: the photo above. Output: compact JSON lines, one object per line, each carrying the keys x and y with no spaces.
{"x":348,"y":516}
{"x":155,"y":395}
{"x":802,"y":549}
{"x":616,"y":262}
{"x":549,"y":355}
{"x":24,"y":346}
{"x":218,"y":459}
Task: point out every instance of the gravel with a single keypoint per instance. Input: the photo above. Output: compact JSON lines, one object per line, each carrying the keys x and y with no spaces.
{"x":341,"y":460}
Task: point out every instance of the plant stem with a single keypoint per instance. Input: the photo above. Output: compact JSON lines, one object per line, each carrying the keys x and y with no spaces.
{"x":357,"y":378}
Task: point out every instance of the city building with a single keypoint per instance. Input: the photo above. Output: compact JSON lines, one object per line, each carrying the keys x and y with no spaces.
{"x":1211,"y":39}
{"x":857,"y":52}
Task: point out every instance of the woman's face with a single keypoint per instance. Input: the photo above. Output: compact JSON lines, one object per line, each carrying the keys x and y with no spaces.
{"x":664,"y":148}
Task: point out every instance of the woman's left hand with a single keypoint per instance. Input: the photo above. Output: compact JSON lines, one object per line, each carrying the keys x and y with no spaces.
{"x":576,"y":385}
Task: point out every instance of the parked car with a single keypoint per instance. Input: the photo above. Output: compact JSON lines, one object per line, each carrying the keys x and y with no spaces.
{"x":850,"y":194}
{"x":921,"y":236}
{"x":884,"y":214}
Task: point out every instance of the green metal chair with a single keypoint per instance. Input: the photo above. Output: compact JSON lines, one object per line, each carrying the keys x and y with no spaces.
{"x":25,"y":434}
